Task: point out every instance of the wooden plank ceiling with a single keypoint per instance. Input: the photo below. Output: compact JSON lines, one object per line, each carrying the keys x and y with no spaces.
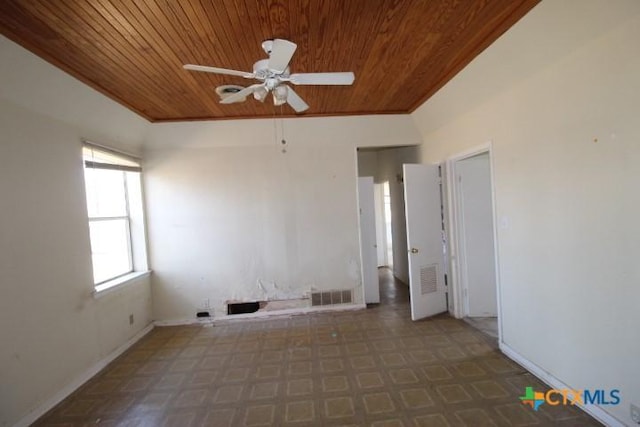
{"x":401,"y":52}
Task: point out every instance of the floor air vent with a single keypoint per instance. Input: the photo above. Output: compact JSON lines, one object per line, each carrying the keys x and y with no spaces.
{"x":331,"y":297}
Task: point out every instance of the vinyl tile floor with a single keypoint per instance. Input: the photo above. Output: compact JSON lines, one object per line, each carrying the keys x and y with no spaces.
{"x":371,"y":367}
{"x":488,"y":325}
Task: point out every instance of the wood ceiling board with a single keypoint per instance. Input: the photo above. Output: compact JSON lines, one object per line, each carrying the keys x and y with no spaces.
{"x":518,"y":10}
{"x":101,"y":49}
{"x":401,"y":52}
{"x":35,"y":43}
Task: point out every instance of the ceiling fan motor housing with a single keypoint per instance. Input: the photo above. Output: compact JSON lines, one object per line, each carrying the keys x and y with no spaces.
{"x":262,"y":72}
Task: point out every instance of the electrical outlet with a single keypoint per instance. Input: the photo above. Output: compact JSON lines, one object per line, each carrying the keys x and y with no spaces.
{"x":635,"y":413}
{"x":131,"y":319}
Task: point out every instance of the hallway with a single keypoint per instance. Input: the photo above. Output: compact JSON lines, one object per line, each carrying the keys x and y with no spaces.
{"x":371,"y":367}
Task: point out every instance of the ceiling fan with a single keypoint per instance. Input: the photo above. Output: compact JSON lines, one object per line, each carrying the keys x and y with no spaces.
{"x":273,"y":74}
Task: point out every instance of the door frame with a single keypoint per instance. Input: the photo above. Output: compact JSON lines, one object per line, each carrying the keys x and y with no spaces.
{"x":455,"y":232}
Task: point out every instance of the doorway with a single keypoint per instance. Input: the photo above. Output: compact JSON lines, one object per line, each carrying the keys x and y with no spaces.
{"x":384,"y":164}
{"x":473,"y":257}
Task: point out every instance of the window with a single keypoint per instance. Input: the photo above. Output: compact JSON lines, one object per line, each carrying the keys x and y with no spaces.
{"x":114,"y":205}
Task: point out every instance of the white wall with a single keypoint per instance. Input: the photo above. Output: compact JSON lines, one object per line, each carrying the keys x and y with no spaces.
{"x":569,"y":240}
{"x":231,"y":217}
{"x":52,"y":330}
{"x":368,"y":163}
{"x":32,"y":83}
{"x":354,"y":131}
{"x":224,"y":219}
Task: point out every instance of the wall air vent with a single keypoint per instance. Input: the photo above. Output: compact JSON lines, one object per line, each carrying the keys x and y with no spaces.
{"x":429,"y":279}
{"x":331,"y":297}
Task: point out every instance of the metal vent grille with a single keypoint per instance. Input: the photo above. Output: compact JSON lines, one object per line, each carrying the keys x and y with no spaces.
{"x":346,"y":297}
{"x":428,"y":279}
{"x":331,"y":297}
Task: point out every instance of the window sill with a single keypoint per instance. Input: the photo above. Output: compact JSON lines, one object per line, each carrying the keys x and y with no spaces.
{"x":118,"y":282}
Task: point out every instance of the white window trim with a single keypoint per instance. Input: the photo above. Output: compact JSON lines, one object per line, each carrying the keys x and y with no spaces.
{"x":112,"y":285}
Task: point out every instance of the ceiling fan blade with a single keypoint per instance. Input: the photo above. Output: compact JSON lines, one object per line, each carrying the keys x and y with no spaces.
{"x":281,"y":53}
{"x":241,"y":95}
{"x":295,"y":101}
{"x":217,"y":70}
{"x":322,"y":78}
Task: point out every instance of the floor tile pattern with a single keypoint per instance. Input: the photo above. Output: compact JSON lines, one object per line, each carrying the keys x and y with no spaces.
{"x":371,"y":367}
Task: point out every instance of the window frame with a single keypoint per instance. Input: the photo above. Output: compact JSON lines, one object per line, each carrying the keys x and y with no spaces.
{"x":127,"y":220}
{"x":127,"y":171}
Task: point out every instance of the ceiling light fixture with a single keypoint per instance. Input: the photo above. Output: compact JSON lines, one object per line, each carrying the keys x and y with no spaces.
{"x":280,"y":95}
{"x":260,"y":94}
{"x":225,"y":91}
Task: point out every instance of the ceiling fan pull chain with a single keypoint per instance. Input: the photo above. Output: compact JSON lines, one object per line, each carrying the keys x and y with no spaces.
{"x":283,"y":141}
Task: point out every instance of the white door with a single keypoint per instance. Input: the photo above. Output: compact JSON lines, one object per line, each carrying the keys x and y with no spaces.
{"x":424,"y":240}
{"x":368,"y":254}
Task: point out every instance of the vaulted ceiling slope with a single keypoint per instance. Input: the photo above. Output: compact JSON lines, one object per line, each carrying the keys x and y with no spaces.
{"x":401,"y":51}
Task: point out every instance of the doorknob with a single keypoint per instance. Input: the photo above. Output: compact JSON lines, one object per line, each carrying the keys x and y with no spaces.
{"x":414,"y":250}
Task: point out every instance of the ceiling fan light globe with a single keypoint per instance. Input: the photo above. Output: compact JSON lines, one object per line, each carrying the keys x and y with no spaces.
{"x":280,"y":92}
{"x":260,"y":94}
{"x":278,"y":100}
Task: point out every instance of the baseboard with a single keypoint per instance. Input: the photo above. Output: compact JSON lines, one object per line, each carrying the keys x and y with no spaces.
{"x":262,"y":314}
{"x":595,"y":411}
{"x":62,"y":394}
